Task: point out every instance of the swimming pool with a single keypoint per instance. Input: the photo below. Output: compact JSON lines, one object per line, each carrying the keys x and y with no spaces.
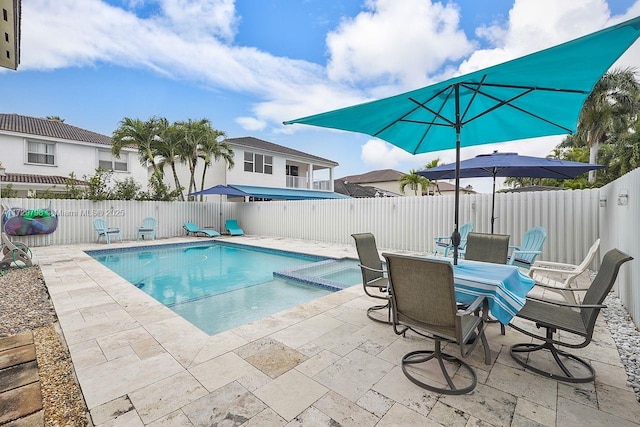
{"x":218,"y":285}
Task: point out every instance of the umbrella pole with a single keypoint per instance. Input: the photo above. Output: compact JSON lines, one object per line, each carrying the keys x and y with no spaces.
{"x":455,"y":236}
{"x":493,"y":202}
{"x":220,"y":216}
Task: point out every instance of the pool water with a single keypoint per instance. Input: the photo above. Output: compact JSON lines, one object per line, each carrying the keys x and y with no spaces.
{"x":219,"y":286}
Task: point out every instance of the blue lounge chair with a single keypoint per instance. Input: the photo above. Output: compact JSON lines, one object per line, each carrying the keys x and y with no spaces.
{"x":192,"y":228}
{"x":148,"y":228}
{"x":234,"y":228}
{"x":525,"y":254}
{"x":443,"y":244}
{"x":105,"y":231}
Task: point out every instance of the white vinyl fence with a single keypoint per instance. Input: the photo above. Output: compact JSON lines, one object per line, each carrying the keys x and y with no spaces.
{"x":573,"y":220}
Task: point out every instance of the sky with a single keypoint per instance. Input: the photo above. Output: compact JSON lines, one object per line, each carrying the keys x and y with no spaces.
{"x":249,"y":65}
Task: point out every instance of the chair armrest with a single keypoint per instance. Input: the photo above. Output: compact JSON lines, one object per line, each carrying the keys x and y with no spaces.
{"x":558,"y":288}
{"x":442,"y":239}
{"x":564,"y":304}
{"x":472,"y":307}
{"x":549,"y":265}
{"x":519,"y":252}
{"x":541,"y":269}
{"x":515,"y":248}
{"x":375,"y":270}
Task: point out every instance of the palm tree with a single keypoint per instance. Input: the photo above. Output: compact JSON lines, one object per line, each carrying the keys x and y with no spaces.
{"x":145,"y":136}
{"x":606,"y":111}
{"x":211,"y":151}
{"x":55,"y":119}
{"x":196,"y":134}
{"x":413,"y":180}
{"x":432,"y":164}
{"x":171,"y":150}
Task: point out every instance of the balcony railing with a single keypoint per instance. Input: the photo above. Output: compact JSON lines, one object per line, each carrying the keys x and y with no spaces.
{"x":296,"y":181}
{"x":322,"y":185}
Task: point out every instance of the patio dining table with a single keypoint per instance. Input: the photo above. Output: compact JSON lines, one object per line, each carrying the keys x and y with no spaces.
{"x":504,"y":286}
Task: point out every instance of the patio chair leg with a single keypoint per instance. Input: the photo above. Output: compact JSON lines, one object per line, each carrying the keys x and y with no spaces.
{"x":380,"y":307}
{"x":422,"y":356}
{"x":556,"y":353}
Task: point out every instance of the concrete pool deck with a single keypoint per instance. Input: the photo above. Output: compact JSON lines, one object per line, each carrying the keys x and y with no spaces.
{"x":138,"y":363}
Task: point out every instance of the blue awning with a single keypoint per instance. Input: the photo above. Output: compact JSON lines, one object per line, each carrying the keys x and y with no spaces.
{"x":287,"y":193}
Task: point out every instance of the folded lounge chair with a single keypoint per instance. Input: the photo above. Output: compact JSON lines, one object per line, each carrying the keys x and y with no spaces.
{"x":192,"y":228}
{"x":15,"y":253}
{"x":234,"y":228}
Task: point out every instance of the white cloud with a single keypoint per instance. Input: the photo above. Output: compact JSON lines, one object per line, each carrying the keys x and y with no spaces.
{"x":390,"y":46}
{"x":251,"y":124}
{"x":537,"y":24}
{"x":398,"y":42}
{"x":379,"y":154}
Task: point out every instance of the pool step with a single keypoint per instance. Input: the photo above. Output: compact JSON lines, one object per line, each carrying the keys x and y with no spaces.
{"x":319,"y":273}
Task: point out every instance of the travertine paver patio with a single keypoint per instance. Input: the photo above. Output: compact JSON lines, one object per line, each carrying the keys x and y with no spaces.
{"x":321,"y":363}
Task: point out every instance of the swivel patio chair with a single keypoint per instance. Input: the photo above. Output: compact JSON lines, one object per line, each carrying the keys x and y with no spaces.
{"x":577,"y":319}
{"x":443,"y":244}
{"x":487,"y":248}
{"x":148,"y":228}
{"x":558,"y":277}
{"x":105,"y":231}
{"x":233,"y":227}
{"x":492,"y":248}
{"x":192,"y":228}
{"x":423,"y":301}
{"x":374,"y":278}
{"x":525,"y":254}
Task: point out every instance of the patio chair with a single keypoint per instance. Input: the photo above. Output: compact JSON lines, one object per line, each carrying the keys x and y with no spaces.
{"x":577,"y":319}
{"x":374,"y":278}
{"x":558,"y":277}
{"x":443,"y":244}
{"x":105,"y":231}
{"x":487,"y":248}
{"x":15,"y":253}
{"x":423,"y":301}
{"x":233,"y":227}
{"x":492,"y":248}
{"x":148,"y":228}
{"x":525,"y":254}
{"x":192,"y":228}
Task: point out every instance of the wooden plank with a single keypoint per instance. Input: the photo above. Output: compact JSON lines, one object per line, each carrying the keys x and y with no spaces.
{"x":20,"y":402}
{"x":16,"y":356}
{"x":17,"y":340}
{"x":18,"y":376}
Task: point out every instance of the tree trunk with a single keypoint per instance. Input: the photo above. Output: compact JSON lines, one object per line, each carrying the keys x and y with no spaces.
{"x":177,"y":181}
{"x":593,"y":158}
{"x":204,"y":173}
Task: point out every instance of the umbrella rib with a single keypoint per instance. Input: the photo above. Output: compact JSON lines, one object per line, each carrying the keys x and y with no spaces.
{"x":547,"y":89}
{"x":475,"y":93}
{"x":509,"y":104}
{"x":418,"y":105}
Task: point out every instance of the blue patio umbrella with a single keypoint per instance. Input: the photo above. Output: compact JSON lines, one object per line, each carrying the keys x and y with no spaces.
{"x":509,"y":165}
{"x":540,"y":94}
{"x":226,"y":190}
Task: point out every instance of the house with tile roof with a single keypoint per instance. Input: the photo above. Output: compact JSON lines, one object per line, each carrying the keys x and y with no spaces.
{"x":268,"y":171}
{"x":384,"y":179}
{"x":39,"y":154}
{"x":389,"y":180}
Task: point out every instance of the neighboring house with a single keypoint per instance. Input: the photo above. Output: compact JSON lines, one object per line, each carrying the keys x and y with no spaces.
{"x":39,"y":154}
{"x":10,"y":28}
{"x":359,"y":191}
{"x":385,"y":179}
{"x":267,"y":171}
{"x":445,"y":189}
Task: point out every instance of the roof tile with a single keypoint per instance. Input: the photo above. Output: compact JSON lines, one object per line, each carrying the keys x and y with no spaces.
{"x":49,"y":128}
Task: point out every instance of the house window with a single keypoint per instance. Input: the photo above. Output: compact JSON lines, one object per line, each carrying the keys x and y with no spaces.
{"x":41,"y":153}
{"x":258,"y":163}
{"x":107,"y":161}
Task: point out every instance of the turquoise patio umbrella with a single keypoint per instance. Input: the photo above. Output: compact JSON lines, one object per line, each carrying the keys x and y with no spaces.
{"x":540,"y":94}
